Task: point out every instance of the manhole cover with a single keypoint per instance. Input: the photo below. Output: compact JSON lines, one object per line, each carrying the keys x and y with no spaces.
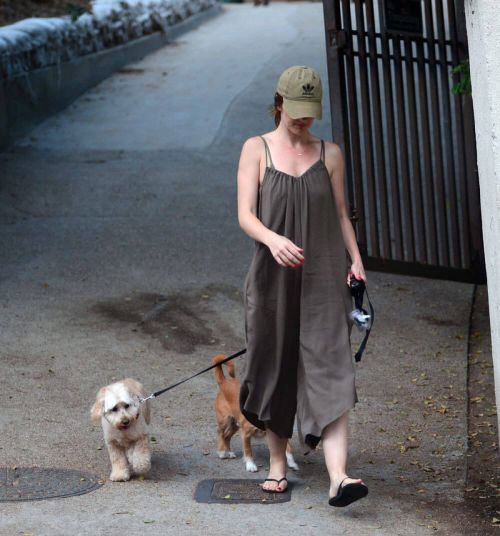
{"x":34,"y":483}
{"x":238,"y":491}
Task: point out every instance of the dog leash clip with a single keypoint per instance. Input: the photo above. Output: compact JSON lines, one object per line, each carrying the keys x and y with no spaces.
{"x":150,"y":397}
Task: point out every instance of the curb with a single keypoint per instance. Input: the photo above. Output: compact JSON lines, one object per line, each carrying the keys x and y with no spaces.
{"x":28,"y":99}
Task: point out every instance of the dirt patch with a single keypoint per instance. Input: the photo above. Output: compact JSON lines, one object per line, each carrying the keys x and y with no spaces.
{"x":14,"y":10}
{"x":180,"y":321}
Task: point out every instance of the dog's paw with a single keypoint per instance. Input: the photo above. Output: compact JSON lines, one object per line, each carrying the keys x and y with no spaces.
{"x":250,"y":465}
{"x":119,"y":476}
{"x":290,"y":460}
{"x":141,"y":467}
{"x":223,"y":454}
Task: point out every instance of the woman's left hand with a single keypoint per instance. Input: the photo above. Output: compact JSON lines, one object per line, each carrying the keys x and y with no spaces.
{"x":358,"y":271}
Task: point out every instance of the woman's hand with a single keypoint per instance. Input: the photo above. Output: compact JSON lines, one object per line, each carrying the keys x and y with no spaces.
{"x":284,"y":251}
{"x":357,"y":270}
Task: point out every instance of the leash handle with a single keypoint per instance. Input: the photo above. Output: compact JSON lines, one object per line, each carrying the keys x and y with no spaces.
{"x":359,"y":353}
{"x":161,"y":391}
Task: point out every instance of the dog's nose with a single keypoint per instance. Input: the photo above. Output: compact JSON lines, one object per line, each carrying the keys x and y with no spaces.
{"x":125,"y":422}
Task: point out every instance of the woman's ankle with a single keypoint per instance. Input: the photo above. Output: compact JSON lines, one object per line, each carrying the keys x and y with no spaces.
{"x":277,"y":464}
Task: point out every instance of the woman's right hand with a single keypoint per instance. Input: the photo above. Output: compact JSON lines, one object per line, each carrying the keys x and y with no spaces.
{"x":285,"y":252}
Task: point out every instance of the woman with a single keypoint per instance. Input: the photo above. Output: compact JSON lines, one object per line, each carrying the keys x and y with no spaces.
{"x":297,"y":302}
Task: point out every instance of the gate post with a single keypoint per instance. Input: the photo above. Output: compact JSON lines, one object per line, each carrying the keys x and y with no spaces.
{"x":483,"y":26}
{"x":335,"y":40}
{"x":478,"y":266}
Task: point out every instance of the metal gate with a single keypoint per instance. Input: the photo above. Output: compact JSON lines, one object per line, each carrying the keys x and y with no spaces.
{"x":408,"y":140}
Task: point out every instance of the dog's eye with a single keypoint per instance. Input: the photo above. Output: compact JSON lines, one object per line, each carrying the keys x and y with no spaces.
{"x":115,"y":408}
{"x":126,"y":406}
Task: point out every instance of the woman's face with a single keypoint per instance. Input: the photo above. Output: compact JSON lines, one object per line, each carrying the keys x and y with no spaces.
{"x":297,"y":126}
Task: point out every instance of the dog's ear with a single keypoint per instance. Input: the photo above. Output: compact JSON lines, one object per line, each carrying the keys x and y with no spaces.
{"x":147,"y":412}
{"x":134,"y":387}
{"x":137,"y":389}
{"x":96,"y":411}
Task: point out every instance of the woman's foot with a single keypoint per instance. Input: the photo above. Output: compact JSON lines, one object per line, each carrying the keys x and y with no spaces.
{"x":335,"y":483}
{"x":276,"y":480}
{"x":345,"y":490}
{"x":275,"y":485}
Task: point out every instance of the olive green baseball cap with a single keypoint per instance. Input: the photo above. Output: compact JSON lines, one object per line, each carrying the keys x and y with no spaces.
{"x":300,"y":87}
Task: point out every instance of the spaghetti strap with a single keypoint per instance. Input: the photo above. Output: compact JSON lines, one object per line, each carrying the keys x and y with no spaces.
{"x":269,"y":160}
{"x":322,"y":154}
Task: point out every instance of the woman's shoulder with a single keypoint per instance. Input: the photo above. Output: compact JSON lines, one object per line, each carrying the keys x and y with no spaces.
{"x":331,"y":146}
{"x":254,"y":145}
{"x":332,"y":151}
{"x":252,"y":149}
{"x":250,"y":144}
{"x":257,"y":140}
{"x":333,"y":157}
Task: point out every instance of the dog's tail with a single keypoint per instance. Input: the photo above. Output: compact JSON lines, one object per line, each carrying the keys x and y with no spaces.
{"x":218,"y":372}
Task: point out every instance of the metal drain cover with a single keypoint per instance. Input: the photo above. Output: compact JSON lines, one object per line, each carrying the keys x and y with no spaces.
{"x":238,"y":491}
{"x":35,"y":483}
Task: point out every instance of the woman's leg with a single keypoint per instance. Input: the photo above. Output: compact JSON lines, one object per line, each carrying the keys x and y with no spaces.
{"x":277,"y":461}
{"x":335,"y":449}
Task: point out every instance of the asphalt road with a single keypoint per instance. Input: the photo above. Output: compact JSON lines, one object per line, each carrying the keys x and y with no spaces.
{"x":127,"y":199}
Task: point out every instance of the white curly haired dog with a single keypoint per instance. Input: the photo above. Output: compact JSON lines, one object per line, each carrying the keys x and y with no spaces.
{"x":124,"y":420}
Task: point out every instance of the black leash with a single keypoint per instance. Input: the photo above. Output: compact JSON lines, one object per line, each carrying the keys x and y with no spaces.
{"x":359,"y":353}
{"x":161,"y":391}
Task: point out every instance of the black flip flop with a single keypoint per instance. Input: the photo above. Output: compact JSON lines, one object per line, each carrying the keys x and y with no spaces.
{"x":348,"y":493}
{"x":278,"y":482}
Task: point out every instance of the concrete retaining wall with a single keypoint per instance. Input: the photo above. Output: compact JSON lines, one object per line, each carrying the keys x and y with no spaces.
{"x":29,"y":97}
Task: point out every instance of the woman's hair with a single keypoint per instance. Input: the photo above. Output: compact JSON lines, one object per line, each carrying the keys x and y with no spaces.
{"x":273,"y":109}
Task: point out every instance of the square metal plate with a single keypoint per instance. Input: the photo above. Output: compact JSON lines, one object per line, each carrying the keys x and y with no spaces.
{"x":237,"y":491}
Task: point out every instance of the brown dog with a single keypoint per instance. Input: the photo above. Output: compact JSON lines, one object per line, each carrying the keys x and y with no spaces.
{"x":230,"y":418}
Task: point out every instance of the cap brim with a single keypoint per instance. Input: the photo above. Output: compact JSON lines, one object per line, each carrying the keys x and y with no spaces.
{"x":298,"y":109}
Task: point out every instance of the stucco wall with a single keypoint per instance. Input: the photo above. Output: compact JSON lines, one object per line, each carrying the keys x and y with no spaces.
{"x":483,"y":29}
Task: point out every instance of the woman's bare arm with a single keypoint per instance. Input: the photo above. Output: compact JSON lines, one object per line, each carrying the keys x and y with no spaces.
{"x":333,"y":155}
{"x":283,"y":250}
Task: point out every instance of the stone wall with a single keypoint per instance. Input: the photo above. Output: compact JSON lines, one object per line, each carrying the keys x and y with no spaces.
{"x":45,"y":64}
{"x":36,"y":43}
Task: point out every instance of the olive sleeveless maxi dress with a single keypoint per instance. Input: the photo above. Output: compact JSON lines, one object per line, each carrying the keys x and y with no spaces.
{"x":297,"y":326}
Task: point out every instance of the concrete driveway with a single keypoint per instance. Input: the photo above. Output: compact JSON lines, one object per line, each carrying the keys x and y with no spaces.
{"x":126,"y":200}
